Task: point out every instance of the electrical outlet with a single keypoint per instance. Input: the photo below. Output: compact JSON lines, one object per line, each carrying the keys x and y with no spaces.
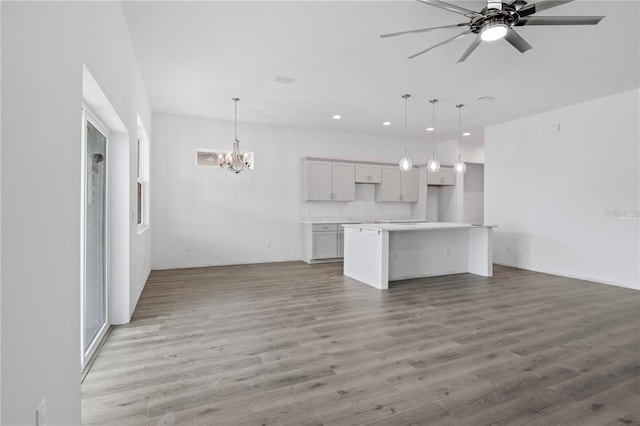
{"x":41,"y":413}
{"x":188,"y":248}
{"x":268,"y":244}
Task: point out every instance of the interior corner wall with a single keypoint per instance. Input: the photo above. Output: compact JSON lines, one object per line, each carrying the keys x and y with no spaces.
{"x":567,"y":202}
{"x":44,"y":46}
{"x":204,"y":216}
{"x":140,"y":266}
{"x":0,"y":215}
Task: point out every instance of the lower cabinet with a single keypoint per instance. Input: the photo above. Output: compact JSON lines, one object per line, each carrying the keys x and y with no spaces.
{"x":325,"y":244}
{"x":322,"y":242}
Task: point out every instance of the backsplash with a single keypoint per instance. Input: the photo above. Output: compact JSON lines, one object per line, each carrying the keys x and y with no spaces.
{"x":364,"y":208}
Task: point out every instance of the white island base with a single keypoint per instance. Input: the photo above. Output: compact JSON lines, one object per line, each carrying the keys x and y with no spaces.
{"x":378,"y":253}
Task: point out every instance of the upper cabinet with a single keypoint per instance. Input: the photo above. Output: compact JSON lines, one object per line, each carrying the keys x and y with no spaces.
{"x":368,"y":173}
{"x":328,"y":181}
{"x":446,"y":176}
{"x":398,"y":185}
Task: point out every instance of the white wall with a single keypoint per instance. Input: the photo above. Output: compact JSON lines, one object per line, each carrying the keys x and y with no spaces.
{"x":207,"y":216}
{"x":558,"y":197}
{"x":473,"y":203}
{"x":44,"y":48}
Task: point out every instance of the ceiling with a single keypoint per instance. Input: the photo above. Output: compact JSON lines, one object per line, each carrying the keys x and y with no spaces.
{"x":195,"y":56}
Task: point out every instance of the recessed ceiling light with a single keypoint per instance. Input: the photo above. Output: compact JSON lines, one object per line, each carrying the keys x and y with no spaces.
{"x":386,"y":123}
{"x":337,"y":117}
{"x":466,"y":134}
{"x":429,"y":129}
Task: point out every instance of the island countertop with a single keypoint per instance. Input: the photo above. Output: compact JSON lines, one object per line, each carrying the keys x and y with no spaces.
{"x":417,"y":226}
{"x":376,"y":253}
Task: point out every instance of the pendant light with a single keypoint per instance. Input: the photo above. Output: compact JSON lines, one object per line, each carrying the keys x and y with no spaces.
{"x":459,"y":166}
{"x":236,"y":161}
{"x":405,"y":163}
{"x":433,"y":165}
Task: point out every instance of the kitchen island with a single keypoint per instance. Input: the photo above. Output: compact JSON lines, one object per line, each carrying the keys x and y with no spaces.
{"x":378,"y":253}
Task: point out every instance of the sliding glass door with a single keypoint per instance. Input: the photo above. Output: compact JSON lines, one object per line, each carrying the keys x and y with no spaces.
{"x":95,"y":303}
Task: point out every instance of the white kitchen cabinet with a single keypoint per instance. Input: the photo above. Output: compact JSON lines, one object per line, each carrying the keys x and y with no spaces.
{"x":325,"y":244}
{"x":446,"y":176}
{"x":368,"y":173}
{"x":343,"y":182}
{"x":328,"y":181}
{"x":398,"y":186}
{"x":409,"y":185}
{"x":322,"y":242}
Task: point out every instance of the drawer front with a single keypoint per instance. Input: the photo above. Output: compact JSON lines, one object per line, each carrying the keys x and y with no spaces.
{"x":324,"y":227}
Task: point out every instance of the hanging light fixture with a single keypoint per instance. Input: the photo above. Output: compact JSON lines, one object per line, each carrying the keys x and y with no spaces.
{"x":459,"y":166}
{"x":405,"y":163}
{"x":433,"y":165}
{"x":235,"y":161}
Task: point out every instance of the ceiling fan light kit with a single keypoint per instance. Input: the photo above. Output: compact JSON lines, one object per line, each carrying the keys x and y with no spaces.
{"x":497,"y":20}
{"x":494,"y":31}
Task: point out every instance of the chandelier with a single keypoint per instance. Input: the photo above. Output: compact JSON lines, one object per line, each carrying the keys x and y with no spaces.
{"x":235,"y":161}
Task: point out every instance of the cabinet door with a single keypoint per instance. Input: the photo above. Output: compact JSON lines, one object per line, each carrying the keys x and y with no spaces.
{"x":389,"y":189}
{"x":448,"y":176}
{"x":375,"y":172}
{"x":318,"y":181}
{"x":368,"y":173}
{"x":362,"y":173}
{"x":340,"y":244}
{"x":343,"y":182}
{"x":443,"y":177}
{"x":410,"y":185}
{"x":325,"y":245}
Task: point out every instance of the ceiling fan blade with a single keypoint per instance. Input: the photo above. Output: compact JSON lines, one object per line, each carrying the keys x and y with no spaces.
{"x":530,"y":9}
{"x":423,"y":30}
{"x":451,"y":8}
{"x":476,"y":43}
{"x":559,"y":20}
{"x":467,"y":32}
{"x":517,"y":41}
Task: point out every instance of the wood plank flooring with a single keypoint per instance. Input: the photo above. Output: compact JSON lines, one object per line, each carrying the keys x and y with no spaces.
{"x":297,"y":344}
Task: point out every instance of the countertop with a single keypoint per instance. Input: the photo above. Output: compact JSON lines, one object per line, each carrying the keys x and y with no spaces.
{"x":327,"y":222}
{"x":352,"y":221}
{"x":420,"y":226}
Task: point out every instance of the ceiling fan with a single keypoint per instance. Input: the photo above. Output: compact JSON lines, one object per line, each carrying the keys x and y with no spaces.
{"x":497,"y":20}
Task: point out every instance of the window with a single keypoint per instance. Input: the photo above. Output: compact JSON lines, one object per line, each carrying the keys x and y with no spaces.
{"x":142,"y":179}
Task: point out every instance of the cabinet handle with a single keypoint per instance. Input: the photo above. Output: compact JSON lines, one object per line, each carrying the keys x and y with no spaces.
{"x":401,"y":197}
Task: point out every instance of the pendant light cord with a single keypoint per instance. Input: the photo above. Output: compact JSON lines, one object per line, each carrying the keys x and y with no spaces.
{"x":235,"y":119}
{"x":459,"y":125}
{"x":405,"y":125}
{"x":405,"y":122}
{"x":433,"y":136}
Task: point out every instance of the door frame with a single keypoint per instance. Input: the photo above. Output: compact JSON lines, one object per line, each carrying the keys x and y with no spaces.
{"x":89,"y":116}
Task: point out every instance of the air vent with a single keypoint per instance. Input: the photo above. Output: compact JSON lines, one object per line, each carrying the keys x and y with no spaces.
{"x":283,"y":80}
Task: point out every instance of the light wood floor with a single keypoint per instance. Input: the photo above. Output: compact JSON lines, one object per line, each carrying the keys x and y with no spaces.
{"x":291,"y":343}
